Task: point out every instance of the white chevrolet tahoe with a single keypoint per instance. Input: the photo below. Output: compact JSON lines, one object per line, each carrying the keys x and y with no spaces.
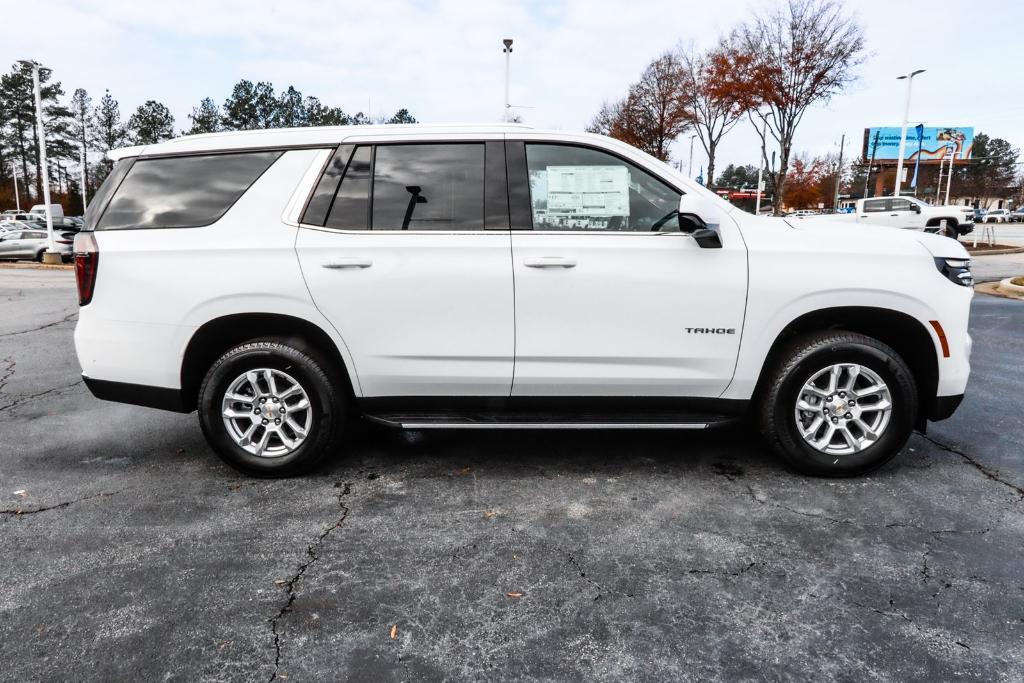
{"x":495,"y":276}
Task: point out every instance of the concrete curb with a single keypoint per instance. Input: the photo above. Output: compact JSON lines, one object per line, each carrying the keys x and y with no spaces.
{"x":993,"y":289}
{"x":993,"y":252}
{"x":1011,"y":288}
{"x":36,"y":266}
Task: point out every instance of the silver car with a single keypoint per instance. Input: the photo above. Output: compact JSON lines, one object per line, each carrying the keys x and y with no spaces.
{"x":25,"y":244}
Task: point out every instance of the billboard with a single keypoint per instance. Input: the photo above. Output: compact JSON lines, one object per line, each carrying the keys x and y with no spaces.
{"x":935,"y":143}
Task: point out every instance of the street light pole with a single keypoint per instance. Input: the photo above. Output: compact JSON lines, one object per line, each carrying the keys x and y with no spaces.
{"x":17,"y":199}
{"x":689,"y":165}
{"x":903,"y":133}
{"x":51,"y":255}
{"x":507,"y":42}
{"x":85,"y":199}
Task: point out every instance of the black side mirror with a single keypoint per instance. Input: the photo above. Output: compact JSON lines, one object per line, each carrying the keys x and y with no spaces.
{"x":915,"y":208}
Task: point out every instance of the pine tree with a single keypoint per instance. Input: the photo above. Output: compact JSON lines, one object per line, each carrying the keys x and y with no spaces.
{"x":402,"y":116}
{"x":151,"y":123}
{"x":81,"y":108}
{"x":205,"y":118}
{"x":250,"y":106}
{"x":291,"y":112}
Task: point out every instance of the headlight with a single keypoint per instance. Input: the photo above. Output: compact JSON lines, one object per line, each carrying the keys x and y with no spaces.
{"x":956,"y":270}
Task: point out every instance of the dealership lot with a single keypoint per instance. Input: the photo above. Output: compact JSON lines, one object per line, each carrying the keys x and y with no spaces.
{"x":130,"y":550}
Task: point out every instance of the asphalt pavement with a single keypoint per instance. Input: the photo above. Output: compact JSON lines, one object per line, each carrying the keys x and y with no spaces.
{"x":130,"y":552}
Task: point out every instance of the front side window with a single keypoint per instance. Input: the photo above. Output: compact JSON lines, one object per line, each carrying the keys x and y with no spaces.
{"x":428,"y":187}
{"x":183,"y":192}
{"x":900,"y":205}
{"x":874,"y":205}
{"x":577,"y":188}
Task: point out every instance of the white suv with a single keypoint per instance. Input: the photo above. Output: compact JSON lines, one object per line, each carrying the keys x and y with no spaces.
{"x":499,"y":277}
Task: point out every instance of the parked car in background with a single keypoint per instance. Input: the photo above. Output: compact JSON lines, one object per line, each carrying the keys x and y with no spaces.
{"x":800,"y":213}
{"x":997,"y":216}
{"x":1018,"y":215}
{"x":913,"y":214}
{"x":27,"y":245}
{"x":979,"y":215}
{"x":56,"y":211}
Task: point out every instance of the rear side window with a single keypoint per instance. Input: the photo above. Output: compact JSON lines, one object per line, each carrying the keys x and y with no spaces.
{"x":182,"y":192}
{"x":874,"y":205}
{"x":429,"y":187}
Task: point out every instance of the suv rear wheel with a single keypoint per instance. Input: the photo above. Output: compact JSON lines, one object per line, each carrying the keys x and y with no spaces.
{"x":838,"y":404}
{"x":269,"y":409}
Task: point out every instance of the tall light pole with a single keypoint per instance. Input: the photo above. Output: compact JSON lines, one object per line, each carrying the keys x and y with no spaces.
{"x":85,"y":199}
{"x":14,"y":174}
{"x":689,"y":165}
{"x":508,"y":59}
{"x":903,"y":133}
{"x":51,"y":255}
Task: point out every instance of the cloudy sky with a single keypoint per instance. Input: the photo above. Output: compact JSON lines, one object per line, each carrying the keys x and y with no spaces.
{"x":443,"y":60}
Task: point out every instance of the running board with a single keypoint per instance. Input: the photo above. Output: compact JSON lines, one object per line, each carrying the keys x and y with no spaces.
{"x":425,"y":420}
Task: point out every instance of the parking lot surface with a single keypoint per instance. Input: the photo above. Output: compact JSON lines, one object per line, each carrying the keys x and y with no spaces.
{"x":130,"y":551}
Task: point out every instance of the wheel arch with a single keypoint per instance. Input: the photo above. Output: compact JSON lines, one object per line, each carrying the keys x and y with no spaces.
{"x":220,"y":334}
{"x":937,"y":221}
{"x":904,"y":333}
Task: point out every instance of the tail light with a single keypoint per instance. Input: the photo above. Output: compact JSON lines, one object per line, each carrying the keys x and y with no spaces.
{"x":87,"y":258}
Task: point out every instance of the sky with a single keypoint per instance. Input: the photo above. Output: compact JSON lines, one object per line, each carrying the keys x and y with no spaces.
{"x":443,"y":59}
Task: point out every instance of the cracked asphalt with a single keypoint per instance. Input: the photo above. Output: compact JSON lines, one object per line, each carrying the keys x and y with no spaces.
{"x":130,"y":551}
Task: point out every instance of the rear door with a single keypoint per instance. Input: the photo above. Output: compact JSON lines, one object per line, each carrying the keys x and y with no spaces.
{"x":875,"y":212}
{"x":611,"y":298}
{"x":405,"y":248}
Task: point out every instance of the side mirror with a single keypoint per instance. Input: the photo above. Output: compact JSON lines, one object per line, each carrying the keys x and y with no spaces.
{"x":698,"y":218}
{"x":915,"y":208}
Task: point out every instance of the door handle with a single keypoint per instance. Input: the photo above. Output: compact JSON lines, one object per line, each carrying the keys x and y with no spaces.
{"x":549,"y":262}
{"x":348,"y":262}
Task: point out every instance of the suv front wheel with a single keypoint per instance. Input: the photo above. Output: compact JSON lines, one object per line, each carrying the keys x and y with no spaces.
{"x":838,"y":404}
{"x":269,"y":409}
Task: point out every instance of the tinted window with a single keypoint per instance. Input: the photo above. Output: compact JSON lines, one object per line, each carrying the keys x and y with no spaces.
{"x":350,"y":210}
{"x":99,"y":201}
{"x":874,"y":205}
{"x":901,"y":205}
{"x":429,"y":187}
{"x":320,"y":203}
{"x":33,"y":235}
{"x":576,"y":188}
{"x":183,"y":192}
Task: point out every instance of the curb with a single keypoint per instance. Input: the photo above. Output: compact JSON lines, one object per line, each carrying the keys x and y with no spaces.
{"x":993,"y":252}
{"x":1007,"y":286}
{"x":35,"y":266}
{"x":993,"y":289}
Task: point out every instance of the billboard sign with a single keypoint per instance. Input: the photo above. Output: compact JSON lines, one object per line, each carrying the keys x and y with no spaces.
{"x":936,"y":143}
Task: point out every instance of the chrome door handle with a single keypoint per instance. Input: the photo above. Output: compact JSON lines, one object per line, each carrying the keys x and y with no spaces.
{"x":348,"y":262}
{"x":549,"y":262}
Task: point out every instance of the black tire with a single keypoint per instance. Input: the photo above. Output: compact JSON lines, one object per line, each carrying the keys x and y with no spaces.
{"x":39,"y":257}
{"x":797,"y":363}
{"x":949,"y":228}
{"x":327,"y":399}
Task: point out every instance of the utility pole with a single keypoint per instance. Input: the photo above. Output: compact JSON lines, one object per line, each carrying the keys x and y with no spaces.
{"x":949,"y":177}
{"x":507,"y":42}
{"x":903,"y":131}
{"x":871,"y":164}
{"x":50,"y":255}
{"x":839,"y":174}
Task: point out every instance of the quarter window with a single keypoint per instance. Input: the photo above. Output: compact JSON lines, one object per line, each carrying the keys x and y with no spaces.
{"x":183,"y":192}
{"x":577,"y":188}
{"x":350,"y":210}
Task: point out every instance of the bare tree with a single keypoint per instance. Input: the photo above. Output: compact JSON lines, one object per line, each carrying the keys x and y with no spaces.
{"x":653,"y":113}
{"x":717,"y":92}
{"x":803,"y":54}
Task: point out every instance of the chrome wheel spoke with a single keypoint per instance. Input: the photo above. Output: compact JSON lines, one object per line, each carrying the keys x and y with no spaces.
{"x":843,"y":419}
{"x":256,"y":415}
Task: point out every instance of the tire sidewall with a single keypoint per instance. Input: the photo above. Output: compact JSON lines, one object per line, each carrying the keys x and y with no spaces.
{"x":304,"y":371}
{"x":901,"y":421}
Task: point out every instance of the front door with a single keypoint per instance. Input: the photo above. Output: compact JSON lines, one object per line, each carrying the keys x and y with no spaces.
{"x":611,"y":298}
{"x":406,"y":250}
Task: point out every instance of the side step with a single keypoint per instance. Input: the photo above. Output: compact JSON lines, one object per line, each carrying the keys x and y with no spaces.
{"x":450,"y":420}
